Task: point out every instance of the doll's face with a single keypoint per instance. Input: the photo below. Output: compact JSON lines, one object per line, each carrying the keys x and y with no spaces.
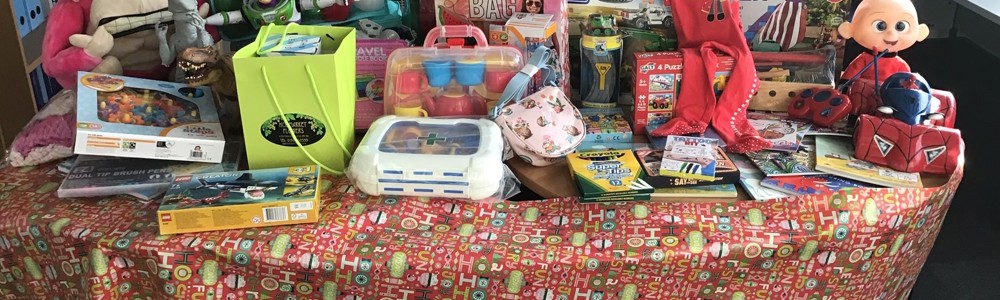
{"x":533,"y":6}
{"x":885,"y":24}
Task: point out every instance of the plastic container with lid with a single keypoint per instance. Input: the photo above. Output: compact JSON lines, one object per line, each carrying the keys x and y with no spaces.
{"x":449,"y":79}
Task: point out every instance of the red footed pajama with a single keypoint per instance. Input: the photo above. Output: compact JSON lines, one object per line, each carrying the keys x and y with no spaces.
{"x":703,"y":36}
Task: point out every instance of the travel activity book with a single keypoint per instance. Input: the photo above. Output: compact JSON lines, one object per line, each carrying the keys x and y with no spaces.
{"x":660,"y":142}
{"x":783,"y":133}
{"x":780,"y":163}
{"x":608,"y":176}
{"x":240,"y":199}
{"x":751,"y":177}
{"x":835,"y":155}
{"x":810,"y":184}
{"x":725,"y":170}
{"x":689,"y":157}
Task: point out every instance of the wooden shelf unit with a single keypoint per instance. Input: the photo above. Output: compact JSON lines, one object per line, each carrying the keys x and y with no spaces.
{"x":18,"y":58}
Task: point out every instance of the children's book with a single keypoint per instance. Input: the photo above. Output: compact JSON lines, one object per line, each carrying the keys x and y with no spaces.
{"x":689,"y":157}
{"x":780,"y":163}
{"x":751,"y":177}
{"x":784,"y":134}
{"x":835,"y":155}
{"x":240,"y":199}
{"x":725,"y":170}
{"x":608,"y":176}
{"x":810,"y":184}
{"x":704,"y":191}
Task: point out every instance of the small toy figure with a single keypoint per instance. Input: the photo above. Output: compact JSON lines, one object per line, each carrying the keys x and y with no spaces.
{"x":884,"y":27}
{"x":262,"y":12}
{"x":189,"y":31}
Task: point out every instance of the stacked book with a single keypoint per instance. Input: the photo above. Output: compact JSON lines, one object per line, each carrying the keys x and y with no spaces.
{"x":607,"y":129}
{"x":689,"y":167}
{"x":809,"y":161}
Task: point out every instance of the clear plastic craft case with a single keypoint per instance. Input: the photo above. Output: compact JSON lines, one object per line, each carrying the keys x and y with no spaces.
{"x":428,"y":157}
{"x":444,"y":80}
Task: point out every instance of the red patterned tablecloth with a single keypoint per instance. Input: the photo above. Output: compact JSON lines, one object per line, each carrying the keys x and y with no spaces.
{"x":865,"y":244}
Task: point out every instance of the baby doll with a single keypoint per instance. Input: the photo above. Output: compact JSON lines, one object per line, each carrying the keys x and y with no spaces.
{"x":882,"y":26}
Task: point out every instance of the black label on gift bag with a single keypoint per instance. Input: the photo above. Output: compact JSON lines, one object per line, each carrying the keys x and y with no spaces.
{"x":307,"y":129}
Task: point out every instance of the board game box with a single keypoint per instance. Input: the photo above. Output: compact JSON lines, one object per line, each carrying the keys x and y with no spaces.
{"x":240,"y":199}
{"x":689,"y":157}
{"x":605,"y":125}
{"x":609,"y":176}
{"x":657,"y":83}
{"x":141,"y":118}
{"x":372,"y":56}
{"x":725,"y":170}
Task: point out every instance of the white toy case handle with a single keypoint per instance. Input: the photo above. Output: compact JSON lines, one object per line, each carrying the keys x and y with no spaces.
{"x":455,"y":31}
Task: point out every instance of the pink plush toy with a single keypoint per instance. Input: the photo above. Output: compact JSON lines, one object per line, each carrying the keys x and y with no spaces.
{"x":105,"y":36}
{"x":50,"y":134}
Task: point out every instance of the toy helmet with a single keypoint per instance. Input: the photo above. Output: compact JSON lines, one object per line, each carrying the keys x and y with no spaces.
{"x":907,"y":97}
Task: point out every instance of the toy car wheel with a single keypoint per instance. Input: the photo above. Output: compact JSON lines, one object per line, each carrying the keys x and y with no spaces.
{"x":668,"y":22}
{"x":641,"y":23}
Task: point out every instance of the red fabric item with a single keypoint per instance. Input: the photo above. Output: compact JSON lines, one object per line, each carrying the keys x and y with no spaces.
{"x":887,"y":65}
{"x":60,"y":59}
{"x":702,"y":33}
{"x":908,"y":148}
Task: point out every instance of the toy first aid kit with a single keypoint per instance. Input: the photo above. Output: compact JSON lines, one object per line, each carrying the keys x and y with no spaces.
{"x":241,"y":199}
{"x":141,"y":118}
{"x":447,"y":80}
{"x":453,"y":158}
{"x":657,"y":85}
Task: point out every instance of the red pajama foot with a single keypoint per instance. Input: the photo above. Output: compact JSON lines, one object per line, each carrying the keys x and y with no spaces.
{"x":680,"y":127}
{"x":748,"y":143}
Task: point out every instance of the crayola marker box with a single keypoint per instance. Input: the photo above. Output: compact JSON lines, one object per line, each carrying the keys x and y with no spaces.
{"x":609,"y":176}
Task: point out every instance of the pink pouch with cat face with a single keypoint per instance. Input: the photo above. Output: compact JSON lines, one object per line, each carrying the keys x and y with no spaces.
{"x":543,"y":127}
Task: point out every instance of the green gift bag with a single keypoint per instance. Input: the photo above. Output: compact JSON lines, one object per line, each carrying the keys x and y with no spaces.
{"x":311,"y":94}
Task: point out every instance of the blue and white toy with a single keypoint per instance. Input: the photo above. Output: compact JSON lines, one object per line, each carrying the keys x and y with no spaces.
{"x":907,"y":97}
{"x":407,"y":156}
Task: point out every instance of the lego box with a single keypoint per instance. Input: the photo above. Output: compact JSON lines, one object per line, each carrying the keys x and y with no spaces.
{"x":141,"y":118}
{"x":241,"y":199}
{"x":657,"y":85}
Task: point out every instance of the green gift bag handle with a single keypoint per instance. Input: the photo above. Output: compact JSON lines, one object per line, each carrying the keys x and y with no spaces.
{"x":326,"y":114}
{"x":267,"y":33}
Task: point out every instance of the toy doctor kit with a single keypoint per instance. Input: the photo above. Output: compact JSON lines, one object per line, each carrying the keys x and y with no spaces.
{"x":453,"y":158}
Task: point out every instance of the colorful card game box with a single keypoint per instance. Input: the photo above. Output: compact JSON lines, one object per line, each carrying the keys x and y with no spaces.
{"x":141,"y":118}
{"x":372,"y":56}
{"x":609,"y":176}
{"x":689,"y":157}
{"x":240,"y":199}
{"x":657,"y":85}
{"x":605,"y":125}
